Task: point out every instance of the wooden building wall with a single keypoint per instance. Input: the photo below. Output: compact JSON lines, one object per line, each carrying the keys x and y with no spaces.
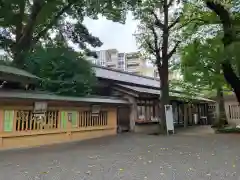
{"x":19,"y":128}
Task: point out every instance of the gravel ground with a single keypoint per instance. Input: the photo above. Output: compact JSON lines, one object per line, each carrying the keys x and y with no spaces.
{"x":128,"y":157}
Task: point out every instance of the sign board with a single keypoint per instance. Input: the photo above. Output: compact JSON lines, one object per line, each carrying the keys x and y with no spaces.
{"x":70,"y":116}
{"x":169,"y":118}
{"x":39,"y":116}
{"x":96,"y":110}
{"x":40,"y":107}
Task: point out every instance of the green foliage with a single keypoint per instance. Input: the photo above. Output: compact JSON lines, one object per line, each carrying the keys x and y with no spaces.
{"x":63,"y":71}
{"x":24,"y":23}
{"x":201,"y":63}
{"x":202,"y":51}
{"x":228,"y":130}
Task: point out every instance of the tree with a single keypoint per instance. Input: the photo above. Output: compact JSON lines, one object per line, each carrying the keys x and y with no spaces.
{"x":200,"y":64}
{"x":24,"y":23}
{"x":155,"y":36}
{"x":225,"y":14}
{"x":63,"y":70}
{"x":230,"y":36}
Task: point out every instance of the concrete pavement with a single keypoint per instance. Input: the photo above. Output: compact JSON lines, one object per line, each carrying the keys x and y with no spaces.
{"x":129,"y":157}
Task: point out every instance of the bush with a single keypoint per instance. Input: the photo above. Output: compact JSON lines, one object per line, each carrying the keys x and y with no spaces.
{"x":228,"y":130}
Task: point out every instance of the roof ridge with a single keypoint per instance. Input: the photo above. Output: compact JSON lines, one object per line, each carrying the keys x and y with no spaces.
{"x":125,"y":72}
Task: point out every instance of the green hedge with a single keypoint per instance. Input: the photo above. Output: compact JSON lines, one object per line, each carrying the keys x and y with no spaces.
{"x":228,"y":130}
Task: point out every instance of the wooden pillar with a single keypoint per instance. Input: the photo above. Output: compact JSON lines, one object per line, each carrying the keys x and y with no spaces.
{"x":178,"y":113}
{"x":133,"y":113}
{"x":185,"y":115}
{"x":207,"y":114}
{"x":190,"y":114}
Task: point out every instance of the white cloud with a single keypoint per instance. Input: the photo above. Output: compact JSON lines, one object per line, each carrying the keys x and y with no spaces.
{"x":114,"y":35}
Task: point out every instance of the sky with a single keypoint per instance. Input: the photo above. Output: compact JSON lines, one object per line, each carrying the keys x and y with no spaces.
{"x":114,"y":35}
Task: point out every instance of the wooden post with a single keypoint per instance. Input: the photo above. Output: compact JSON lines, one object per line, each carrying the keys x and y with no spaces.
{"x":185,"y":115}
{"x":133,"y":112}
{"x":190,"y":113}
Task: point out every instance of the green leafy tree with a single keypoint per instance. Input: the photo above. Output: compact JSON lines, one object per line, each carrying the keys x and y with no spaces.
{"x":156,"y":38}
{"x":225,"y":16}
{"x":24,"y":23}
{"x":200,"y":64}
{"x":63,"y":70}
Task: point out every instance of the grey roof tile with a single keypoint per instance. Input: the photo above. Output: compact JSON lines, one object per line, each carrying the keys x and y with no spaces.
{"x":16,"y":71}
{"x":121,"y":76}
{"x":53,"y":97}
{"x":157,"y":92}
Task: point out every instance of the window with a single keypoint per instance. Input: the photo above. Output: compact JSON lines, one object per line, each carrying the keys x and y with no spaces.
{"x":156,"y":74}
{"x":132,"y":65}
{"x":120,"y":62}
{"x":146,"y":110}
{"x":87,"y":120}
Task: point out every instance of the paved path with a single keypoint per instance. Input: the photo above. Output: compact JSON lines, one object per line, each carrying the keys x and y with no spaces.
{"x":195,"y":130}
{"x":129,"y":157}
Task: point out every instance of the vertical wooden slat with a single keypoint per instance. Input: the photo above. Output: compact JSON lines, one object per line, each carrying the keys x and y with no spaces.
{"x":31,"y":121}
{"x":81,"y":119}
{"x":14,"y":120}
{"x":27,"y":121}
{"x":97,"y":120}
{"x":87,"y":118}
{"x":107,"y":119}
{"x":84,"y":118}
{"x":52,"y":117}
{"x":91,"y":120}
{"x":1,"y":120}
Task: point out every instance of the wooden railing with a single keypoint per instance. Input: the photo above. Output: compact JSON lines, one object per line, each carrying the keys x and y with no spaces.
{"x":87,"y":120}
{"x":234,"y":111}
{"x":26,"y":121}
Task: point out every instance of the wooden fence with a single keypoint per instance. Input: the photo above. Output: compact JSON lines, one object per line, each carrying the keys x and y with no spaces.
{"x":21,"y":122}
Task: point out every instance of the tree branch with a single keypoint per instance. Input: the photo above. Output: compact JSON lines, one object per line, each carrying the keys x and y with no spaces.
{"x":156,"y":47}
{"x":174,"y":23}
{"x":169,"y":55}
{"x":158,"y":22}
{"x":19,"y":19}
{"x":155,"y":38}
{"x":27,"y":32}
{"x":56,"y":17}
{"x":225,"y":19}
{"x":150,"y":46}
{"x":170,"y":3}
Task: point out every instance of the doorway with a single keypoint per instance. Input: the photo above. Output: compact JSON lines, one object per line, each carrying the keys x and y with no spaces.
{"x":123,"y":119}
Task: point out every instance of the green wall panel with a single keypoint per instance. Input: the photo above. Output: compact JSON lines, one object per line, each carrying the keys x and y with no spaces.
{"x":8,"y":120}
{"x":64,"y":120}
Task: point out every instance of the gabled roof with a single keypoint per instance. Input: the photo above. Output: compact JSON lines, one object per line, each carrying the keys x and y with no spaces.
{"x":173,"y":94}
{"x":9,"y":73}
{"x":125,"y":77}
{"x":43,"y":96}
{"x":141,"y":89}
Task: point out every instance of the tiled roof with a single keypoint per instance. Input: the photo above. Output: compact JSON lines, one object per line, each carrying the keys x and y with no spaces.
{"x":52,"y":97}
{"x":125,"y":77}
{"x":141,"y":89}
{"x":157,"y":92}
{"x":15,"y":71}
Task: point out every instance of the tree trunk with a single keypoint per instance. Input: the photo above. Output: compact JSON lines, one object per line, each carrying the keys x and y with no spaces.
{"x":231,"y":78}
{"x":221,"y":118}
{"x":163,"y":67}
{"x":164,"y":99}
{"x":18,"y":59}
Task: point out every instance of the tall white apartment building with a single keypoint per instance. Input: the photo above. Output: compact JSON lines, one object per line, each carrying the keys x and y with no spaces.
{"x":121,"y":63}
{"x":130,"y":62}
